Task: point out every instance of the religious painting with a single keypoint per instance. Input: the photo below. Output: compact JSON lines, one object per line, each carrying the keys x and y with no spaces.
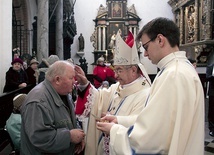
{"x":112,"y":31}
{"x":116,"y":10}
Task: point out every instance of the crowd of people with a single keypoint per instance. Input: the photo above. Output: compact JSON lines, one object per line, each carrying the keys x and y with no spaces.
{"x":19,"y":76}
{"x":128,"y":115}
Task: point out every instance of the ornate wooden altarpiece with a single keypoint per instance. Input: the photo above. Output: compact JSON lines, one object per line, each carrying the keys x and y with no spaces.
{"x":195,"y":19}
{"x":116,"y":15}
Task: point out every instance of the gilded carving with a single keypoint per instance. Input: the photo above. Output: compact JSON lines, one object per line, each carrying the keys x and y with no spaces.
{"x":93,"y":38}
{"x":194,"y":18}
{"x":190,"y":23}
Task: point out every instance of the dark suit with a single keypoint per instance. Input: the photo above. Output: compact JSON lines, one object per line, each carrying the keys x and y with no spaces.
{"x":210,"y":78}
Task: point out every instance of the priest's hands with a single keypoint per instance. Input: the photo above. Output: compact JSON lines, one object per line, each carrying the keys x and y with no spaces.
{"x":105,"y":127}
{"x":109,"y":118}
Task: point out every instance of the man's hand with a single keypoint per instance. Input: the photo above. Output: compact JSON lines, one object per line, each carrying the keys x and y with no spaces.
{"x":79,"y":147}
{"x":105,"y":127}
{"x":22,"y":85}
{"x":80,"y":76}
{"x":77,"y":135}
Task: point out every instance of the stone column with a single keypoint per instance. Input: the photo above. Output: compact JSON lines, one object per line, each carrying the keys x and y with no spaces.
{"x":104,"y":38}
{"x":42,"y":29}
{"x":135,"y":31}
{"x":99,"y":38}
{"x":59,"y":29}
{"x":130,"y":29}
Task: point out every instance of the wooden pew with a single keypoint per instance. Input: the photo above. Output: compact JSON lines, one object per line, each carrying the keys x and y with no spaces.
{"x":6,"y":108}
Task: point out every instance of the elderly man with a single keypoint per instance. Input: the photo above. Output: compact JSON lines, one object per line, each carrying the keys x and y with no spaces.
{"x":125,"y":98}
{"x":173,"y":120}
{"x":48,"y":119}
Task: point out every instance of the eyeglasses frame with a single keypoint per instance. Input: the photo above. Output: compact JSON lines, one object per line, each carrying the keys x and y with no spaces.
{"x":146,"y":48}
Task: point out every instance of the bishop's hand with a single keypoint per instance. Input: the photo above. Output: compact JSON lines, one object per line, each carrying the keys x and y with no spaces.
{"x":80,"y":76}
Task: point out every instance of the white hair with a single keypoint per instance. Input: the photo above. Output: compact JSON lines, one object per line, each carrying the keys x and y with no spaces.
{"x":57,"y":69}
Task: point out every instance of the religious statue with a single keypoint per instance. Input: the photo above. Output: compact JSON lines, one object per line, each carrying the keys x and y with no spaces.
{"x":190,"y":22}
{"x":81,"y":43}
{"x":112,"y":41}
{"x":93,"y":38}
{"x":101,"y":10}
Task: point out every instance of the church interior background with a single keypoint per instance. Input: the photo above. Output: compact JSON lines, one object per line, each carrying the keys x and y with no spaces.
{"x":43,"y":27}
{"x":62,"y":21}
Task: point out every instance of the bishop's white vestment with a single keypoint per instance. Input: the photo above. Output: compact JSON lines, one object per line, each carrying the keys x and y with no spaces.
{"x":128,"y":100}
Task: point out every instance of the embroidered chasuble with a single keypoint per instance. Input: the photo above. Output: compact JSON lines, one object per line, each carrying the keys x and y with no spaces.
{"x":129,"y":100}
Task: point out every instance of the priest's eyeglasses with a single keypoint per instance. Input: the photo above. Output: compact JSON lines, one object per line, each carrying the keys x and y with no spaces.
{"x":146,"y":45}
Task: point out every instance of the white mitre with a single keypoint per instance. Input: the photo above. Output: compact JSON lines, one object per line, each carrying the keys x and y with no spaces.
{"x":125,"y":53}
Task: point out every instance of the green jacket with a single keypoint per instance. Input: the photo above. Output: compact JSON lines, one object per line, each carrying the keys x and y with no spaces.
{"x":13,"y":127}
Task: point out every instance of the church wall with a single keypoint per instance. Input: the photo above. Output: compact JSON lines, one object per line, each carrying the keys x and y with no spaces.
{"x":85,"y":12}
{"x":5,"y":39}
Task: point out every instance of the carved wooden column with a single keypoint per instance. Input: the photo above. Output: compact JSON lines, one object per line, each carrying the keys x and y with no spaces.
{"x":99,"y":38}
{"x":130,"y":28}
{"x":186,"y":25}
{"x":196,"y":21}
{"x":181,"y":25}
{"x":208,"y":27}
{"x":104,"y":38}
{"x":135,"y":31}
